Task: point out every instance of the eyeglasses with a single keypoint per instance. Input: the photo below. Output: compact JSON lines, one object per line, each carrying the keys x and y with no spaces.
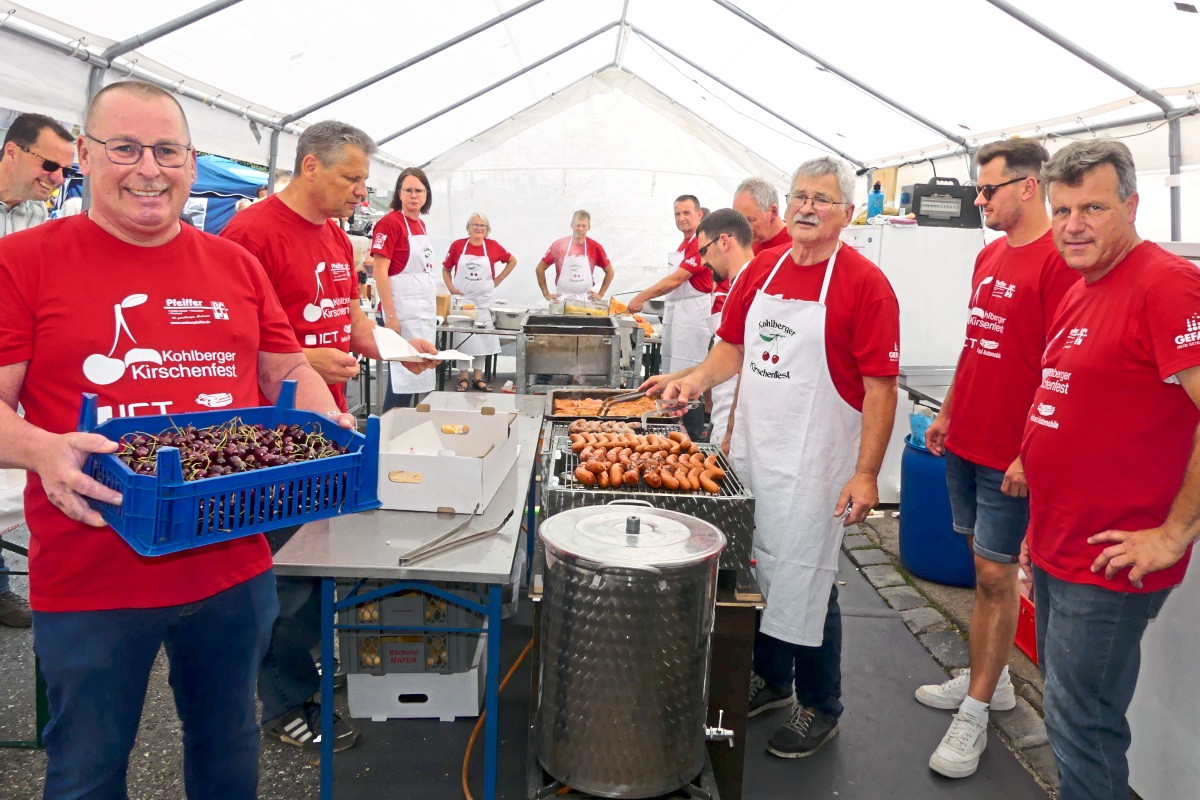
{"x":129,"y":151}
{"x":704,"y":249}
{"x":819,"y":203}
{"x":47,"y":164}
{"x":478,"y":225}
{"x":988,"y":189}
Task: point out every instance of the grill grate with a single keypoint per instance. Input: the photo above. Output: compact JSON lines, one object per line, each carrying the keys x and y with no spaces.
{"x":565,"y":462}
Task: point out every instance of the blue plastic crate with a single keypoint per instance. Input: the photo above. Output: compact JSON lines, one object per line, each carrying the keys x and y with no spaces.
{"x":163,"y":513}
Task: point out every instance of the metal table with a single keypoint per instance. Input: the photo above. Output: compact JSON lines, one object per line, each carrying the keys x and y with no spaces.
{"x":443,"y":342}
{"x":926,"y":385}
{"x":369,"y":544}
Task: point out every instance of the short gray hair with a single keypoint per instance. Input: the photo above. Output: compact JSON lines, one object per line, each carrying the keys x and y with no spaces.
{"x":326,"y":140}
{"x":482,"y":218}
{"x":1072,"y":164}
{"x":761,"y":192}
{"x":581,"y":214}
{"x":828,"y":165}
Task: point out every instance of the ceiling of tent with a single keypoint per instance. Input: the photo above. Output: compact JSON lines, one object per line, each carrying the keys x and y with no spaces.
{"x":964,"y":65}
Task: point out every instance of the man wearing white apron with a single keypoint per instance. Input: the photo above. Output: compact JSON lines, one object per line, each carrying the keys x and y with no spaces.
{"x":815,"y":331}
{"x":575,"y":259}
{"x":408,"y":301}
{"x":469,"y":271}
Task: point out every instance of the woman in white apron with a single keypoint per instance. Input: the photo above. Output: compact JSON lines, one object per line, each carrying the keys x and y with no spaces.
{"x":795,"y":443}
{"x":472,"y":276}
{"x":410,"y":290}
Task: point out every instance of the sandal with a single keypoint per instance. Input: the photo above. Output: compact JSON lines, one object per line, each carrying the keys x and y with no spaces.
{"x":481,"y":385}
{"x":463,"y":385}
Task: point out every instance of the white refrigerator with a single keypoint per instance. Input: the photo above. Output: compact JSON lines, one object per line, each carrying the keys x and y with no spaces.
{"x":930,"y":270}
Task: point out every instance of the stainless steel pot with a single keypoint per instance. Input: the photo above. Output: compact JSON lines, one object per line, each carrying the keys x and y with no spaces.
{"x":627,"y":614}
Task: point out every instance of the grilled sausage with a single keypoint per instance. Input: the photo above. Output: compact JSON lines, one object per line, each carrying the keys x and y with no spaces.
{"x":584,"y":476}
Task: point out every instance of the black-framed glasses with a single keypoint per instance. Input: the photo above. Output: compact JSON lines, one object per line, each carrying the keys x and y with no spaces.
{"x":129,"y":151}
{"x":47,"y":164}
{"x":819,"y":203}
{"x":711,"y":242}
{"x":989,"y":189}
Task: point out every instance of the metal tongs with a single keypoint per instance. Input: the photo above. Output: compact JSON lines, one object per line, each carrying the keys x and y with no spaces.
{"x":445,"y":542}
{"x":611,"y":401}
{"x":672,"y":409}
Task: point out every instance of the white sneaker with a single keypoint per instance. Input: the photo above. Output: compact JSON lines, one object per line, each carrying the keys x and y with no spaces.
{"x":949,"y":695}
{"x":958,"y":754}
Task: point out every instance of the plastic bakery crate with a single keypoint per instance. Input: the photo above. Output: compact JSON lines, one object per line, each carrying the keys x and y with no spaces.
{"x":431,"y":649}
{"x":163,"y":513}
{"x":420,"y":695}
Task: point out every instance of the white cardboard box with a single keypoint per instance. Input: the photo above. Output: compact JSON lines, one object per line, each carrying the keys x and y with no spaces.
{"x":466,"y":473}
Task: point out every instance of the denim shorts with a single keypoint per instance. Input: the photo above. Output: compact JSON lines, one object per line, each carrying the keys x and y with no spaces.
{"x":980,"y":509}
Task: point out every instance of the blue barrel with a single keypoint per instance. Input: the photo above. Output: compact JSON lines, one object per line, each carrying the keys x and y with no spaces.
{"x":929,"y":547}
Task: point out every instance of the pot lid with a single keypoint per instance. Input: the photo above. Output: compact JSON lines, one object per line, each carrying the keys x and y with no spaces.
{"x":632,"y":535}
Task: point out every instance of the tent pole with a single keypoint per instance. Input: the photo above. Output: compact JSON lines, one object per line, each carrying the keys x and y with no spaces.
{"x":908,"y":112}
{"x":619,"y":53}
{"x":273,"y":161}
{"x":1143,"y":91}
{"x":747,"y":97}
{"x":500,"y":82}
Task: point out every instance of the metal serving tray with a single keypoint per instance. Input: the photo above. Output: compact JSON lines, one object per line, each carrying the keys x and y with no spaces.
{"x":596,"y":393}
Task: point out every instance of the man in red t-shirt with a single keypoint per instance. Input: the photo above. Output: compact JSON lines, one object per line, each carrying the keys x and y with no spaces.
{"x":310,"y":262}
{"x":1111,"y":461}
{"x":576,"y":259}
{"x":1018,"y":283}
{"x":153,"y":317}
{"x":815,"y":330}
{"x":758,"y":202}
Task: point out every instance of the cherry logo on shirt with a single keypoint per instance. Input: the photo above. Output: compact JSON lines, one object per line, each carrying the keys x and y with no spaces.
{"x":978,"y":289}
{"x":314,"y":310}
{"x":103,"y":369}
{"x":772,"y":334}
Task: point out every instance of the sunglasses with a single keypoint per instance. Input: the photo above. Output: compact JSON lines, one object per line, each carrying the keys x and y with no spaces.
{"x":47,"y":164}
{"x":988,"y":189}
{"x":704,"y":249}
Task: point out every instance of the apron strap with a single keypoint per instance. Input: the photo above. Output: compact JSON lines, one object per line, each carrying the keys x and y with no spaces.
{"x":779,"y":263}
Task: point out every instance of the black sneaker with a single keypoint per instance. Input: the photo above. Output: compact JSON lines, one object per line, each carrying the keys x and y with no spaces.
{"x":764,"y":696}
{"x":14,"y":610}
{"x":803,"y":734}
{"x":302,"y":728}
{"x":339,"y":677}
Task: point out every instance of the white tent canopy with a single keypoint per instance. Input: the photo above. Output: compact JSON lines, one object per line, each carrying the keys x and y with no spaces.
{"x":622,"y":104}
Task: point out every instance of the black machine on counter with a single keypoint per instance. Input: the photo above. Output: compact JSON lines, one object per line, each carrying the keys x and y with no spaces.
{"x":942,"y":202}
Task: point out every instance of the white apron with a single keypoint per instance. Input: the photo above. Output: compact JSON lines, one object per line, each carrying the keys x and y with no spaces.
{"x":685,"y":333}
{"x":795,"y":443}
{"x":722,"y":393}
{"x":575,"y":280}
{"x":413,"y":293}
{"x":473,"y":277}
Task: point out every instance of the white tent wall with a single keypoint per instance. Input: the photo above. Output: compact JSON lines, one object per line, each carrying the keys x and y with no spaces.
{"x":609,"y":144}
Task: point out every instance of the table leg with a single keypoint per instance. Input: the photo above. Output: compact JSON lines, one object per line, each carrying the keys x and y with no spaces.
{"x":327,"y":670}
{"x":491,"y":726}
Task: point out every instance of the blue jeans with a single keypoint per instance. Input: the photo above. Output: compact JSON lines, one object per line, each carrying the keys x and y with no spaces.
{"x":817,"y":671}
{"x":980,"y":509}
{"x":97,"y":666}
{"x":1089,"y":643}
{"x":289,"y":676}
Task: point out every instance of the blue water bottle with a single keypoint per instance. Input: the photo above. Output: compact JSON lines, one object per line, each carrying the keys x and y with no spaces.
{"x":875,"y":201}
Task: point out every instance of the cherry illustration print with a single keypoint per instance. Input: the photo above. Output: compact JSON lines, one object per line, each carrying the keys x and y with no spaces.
{"x":314,"y":310}
{"x":771,"y":351}
{"x":104,"y":369}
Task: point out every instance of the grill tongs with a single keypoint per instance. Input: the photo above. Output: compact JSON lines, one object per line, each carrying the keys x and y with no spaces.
{"x":612,"y":400}
{"x":446,"y":542}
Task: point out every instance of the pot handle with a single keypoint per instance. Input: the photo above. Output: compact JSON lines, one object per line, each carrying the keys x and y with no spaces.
{"x":630,"y":502}
{"x":635,"y":567}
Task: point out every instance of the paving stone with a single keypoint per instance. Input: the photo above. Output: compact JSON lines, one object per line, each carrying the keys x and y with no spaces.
{"x":947,"y":648}
{"x":1031,"y":693}
{"x":902,"y":598}
{"x":856,"y":541}
{"x":883,"y":575}
{"x":869,"y":557}
{"x":923,"y":619}
{"x":1023,"y":726}
{"x":1041,"y":763}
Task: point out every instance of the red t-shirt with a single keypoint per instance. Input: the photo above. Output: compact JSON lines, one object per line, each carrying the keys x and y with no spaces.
{"x":559,"y":250}
{"x":312,"y":270}
{"x":862,"y":317}
{"x":779,"y":239}
{"x":1109,"y":435}
{"x":1014,"y":294}
{"x":390,"y":239}
{"x":702,"y":279}
{"x":490,"y":249}
{"x":150,"y":330}
{"x":721,"y":292}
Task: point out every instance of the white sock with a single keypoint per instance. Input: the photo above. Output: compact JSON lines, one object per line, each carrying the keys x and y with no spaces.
{"x":1003,"y":676}
{"x":975,"y":708}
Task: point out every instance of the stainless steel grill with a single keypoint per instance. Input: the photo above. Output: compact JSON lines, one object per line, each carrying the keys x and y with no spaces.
{"x":732,"y":511}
